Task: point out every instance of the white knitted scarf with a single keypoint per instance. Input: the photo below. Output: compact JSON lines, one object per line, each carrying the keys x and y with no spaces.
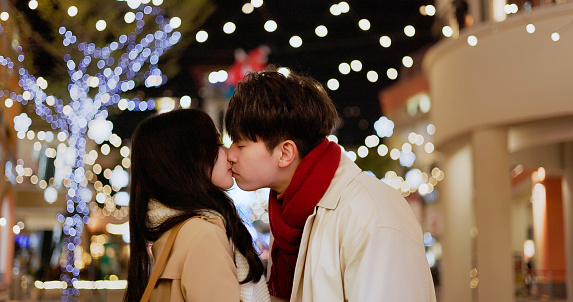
{"x":250,"y":292}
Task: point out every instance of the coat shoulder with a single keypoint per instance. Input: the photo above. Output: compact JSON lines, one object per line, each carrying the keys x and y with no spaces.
{"x":378,"y":205}
{"x":196,"y":233}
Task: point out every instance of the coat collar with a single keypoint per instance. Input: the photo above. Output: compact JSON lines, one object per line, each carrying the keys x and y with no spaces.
{"x":346,"y":172}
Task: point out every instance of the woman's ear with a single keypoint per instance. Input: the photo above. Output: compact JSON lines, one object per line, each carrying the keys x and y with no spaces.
{"x":288,"y":153}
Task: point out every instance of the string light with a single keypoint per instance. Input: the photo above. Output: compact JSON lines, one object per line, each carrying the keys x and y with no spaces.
{"x":333,"y":84}
{"x":530,"y":28}
{"x":229,"y":27}
{"x":247,"y":8}
{"x":201,"y":36}
{"x":356,"y":65}
{"x":372,"y":76}
{"x":344,"y":68}
{"x":392,"y":73}
{"x":33,"y":4}
{"x":270,"y":26}
{"x":321,"y":31}
{"x":447,"y":31}
{"x":555,"y":36}
{"x":364,"y":24}
{"x":409,"y":30}
{"x":472,"y":40}
{"x":407,"y":61}
{"x":295,"y":41}
{"x":72,"y":11}
{"x":385,"y":41}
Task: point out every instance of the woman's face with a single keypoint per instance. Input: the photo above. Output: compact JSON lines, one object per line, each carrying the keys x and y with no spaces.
{"x":222,"y":175}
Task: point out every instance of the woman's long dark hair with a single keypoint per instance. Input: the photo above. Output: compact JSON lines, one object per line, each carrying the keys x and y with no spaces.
{"x":172,"y":158}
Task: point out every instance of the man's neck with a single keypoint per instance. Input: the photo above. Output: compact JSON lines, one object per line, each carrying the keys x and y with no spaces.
{"x":286,"y":178}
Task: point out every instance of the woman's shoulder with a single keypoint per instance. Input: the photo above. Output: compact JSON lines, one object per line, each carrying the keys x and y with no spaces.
{"x":198,"y":223}
{"x":201,"y":228}
{"x":199,"y":239}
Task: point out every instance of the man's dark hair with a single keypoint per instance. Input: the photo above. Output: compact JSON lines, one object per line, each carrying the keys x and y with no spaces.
{"x":274,"y":107}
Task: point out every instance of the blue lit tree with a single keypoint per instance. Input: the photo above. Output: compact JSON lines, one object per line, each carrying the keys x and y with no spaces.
{"x":97,"y":77}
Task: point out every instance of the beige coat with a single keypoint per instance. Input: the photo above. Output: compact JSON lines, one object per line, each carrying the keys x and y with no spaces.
{"x":200,"y":267}
{"x":362,"y":243}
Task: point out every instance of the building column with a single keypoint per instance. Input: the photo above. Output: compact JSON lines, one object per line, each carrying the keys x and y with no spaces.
{"x":549,"y":235}
{"x":568,"y":216}
{"x":456,"y":191}
{"x":492,"y":206}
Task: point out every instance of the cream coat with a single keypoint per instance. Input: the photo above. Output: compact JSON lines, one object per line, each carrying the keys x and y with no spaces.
{"x":200,"y":267}
{"x":362,"y":243}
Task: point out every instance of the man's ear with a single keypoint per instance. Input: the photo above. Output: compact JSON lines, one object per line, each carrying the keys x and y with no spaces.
{"x":288,"y":153}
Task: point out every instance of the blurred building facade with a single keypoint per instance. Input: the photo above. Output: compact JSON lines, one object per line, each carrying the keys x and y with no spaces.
{"x":501,"y":104}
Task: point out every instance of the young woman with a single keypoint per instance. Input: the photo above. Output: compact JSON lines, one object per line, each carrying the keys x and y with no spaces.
{"x":179,"y":176}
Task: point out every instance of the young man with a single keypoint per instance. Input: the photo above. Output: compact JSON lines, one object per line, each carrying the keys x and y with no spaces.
{"x":339,"y":234}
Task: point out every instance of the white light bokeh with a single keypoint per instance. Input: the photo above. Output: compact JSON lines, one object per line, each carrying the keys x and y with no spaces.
{"x":100,"y":130}
{"x":129,"y":17}
{"x":447,"y":31}
{"x":356,"y":65}
{"x":321,"y":31}
{"x":371,"y":141}
{"x":201,"y":36}
{"x":333,"y":84}
{"x":472,"y":40}
{"x":295,"y":41}
{"x":247,"y":8}
{"x":372,"y":76}
{"x":270,"y":26}
{"x":430,"y":10}
{"x":364,"y":24}
{"x":4,"y":16}
{"x":530,"y":28}
{"x":395,"y":154}
{"x":229,"y":28}
{"x":284,"y":71}
{"x":344,"y":7}
{"x":175,"y":22}
{"x":185,"y":101}
{"x":555,"y":36}
{"x":429,"y":147}
{"x":431,"y":129}
{"x":33,"y":4}
{"x":101,"y":25}
{"x":382,"y":150}
{"x":385,"y":41}
{"x":409,"y":30}
{"x":332,"y":138}
{"x":344,"y":68}
{"x":384,"y":127}
{"x":351,"y":155}
{"x":50,"y":195}
{"x":362,"y":151}
{"x":121,"y":199}
{"x":392,"y":73}
{"x":257,"y":3}
{"x":335,"y":10}
{"x":119,"y":178}
{"x":407,"y":61}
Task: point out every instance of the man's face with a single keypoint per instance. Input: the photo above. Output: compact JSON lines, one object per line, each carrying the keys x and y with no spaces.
{"x":254,"y":167}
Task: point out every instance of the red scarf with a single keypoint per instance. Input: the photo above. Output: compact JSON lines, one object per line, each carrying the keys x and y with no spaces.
{"x":288,"y":216}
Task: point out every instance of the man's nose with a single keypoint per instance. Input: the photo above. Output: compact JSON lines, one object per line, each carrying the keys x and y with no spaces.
{"x":231,"y":154}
